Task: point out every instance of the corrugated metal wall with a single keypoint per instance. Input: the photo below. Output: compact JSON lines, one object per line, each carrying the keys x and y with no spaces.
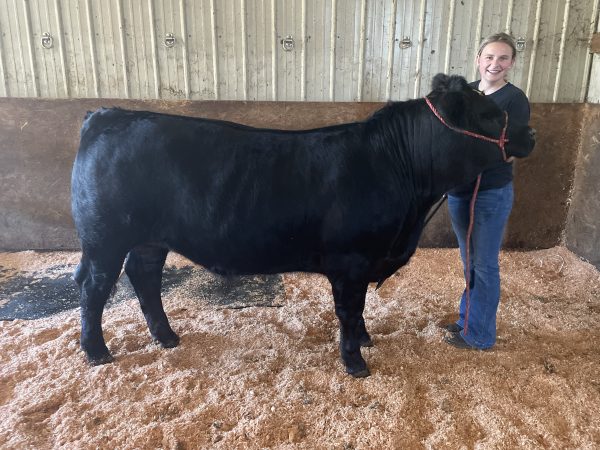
{"x":336,"y":50}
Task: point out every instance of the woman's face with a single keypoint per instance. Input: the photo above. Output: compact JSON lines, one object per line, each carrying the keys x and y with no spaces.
{"x":494,"y":62}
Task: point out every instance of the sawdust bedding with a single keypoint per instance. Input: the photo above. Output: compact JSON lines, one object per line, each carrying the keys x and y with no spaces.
{"x":271,"y":378}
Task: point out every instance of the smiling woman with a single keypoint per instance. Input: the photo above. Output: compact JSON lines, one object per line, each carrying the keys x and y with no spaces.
{"x":496,"y":56}
{"x":486,"y":217}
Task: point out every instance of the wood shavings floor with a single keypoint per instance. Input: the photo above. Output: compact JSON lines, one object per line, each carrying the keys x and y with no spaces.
{"x":269,"y":377}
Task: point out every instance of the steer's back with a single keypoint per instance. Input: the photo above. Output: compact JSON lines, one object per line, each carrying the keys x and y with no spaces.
{"x":233,"y":198}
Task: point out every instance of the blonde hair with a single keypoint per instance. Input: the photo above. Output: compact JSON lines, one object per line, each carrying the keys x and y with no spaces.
{"x":499,"y":37}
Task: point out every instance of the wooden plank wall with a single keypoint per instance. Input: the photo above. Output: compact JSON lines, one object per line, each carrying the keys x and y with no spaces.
{"x":39,"y":139}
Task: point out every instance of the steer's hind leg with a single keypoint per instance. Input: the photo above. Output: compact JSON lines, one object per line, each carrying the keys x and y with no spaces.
{"x":144,"y":266}
{"x":363,"y":336}
{"x":349,"y":297}
{"x":96,"y":278}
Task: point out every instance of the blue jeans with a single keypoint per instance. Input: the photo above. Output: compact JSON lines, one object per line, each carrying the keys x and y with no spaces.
{"x":492,"y":208}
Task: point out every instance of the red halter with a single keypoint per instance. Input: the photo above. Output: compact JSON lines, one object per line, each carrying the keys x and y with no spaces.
{"x":500,"y":142}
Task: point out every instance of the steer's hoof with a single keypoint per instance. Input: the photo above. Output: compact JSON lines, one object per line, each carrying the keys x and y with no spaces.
{"x":366,"y":342}
{"x":169,"y":342}
{"x":100,"y":359}
{"x":362,"y":373}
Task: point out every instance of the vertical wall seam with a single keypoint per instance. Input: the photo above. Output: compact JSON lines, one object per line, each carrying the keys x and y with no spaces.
{"x":303,"y":54}
{"x":391,"y":48}
{"x":144,"y":44}
{"x":361,"y":49}
{"x":123,"y":47}
{"x":449,"y":36}
{"x":90,"y":24}
{"x":61,"y":47}
{"x":274,"y":49}
{"x":36,"y":87}
{"x":86,"y":75}
{"x":154,"y":50}
{"x":561,"y":52}
{"x":419,"y":63}
{"x":536,"y":29}
{"x":213,"y":25}
{"x":478,"y":33}
{"x":332,"y":41}
{"x":46,"y":57}
{"x":17,"y":63}
{"x":3,"y":70}
{"x":244,"y":49}
{"x":104,"y":49}
{"x":509,"y":16}
{"x":184,"y":49}
{"x":585,"y":85}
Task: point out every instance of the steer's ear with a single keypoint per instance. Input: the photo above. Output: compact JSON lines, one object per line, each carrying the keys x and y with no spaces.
{"x":440,"y":82}
{"x":457,"y":84}
{"x":451,"y":90}
{"x":444,"y":83}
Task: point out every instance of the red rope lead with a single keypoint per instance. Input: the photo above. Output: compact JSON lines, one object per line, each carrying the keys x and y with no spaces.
{"x":500,"y":142}
{"x":468,"y":257}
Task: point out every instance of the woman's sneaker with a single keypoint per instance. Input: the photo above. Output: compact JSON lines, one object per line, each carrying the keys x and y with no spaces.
{"x":453,"y":327}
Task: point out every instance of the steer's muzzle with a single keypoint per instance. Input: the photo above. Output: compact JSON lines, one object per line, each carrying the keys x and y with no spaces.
{"x":521,"y":141}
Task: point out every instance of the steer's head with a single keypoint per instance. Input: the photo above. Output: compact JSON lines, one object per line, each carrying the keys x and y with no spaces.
{"x":465,"y":108}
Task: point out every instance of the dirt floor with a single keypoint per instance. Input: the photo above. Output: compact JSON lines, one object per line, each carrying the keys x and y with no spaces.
{"x":270,"y":377}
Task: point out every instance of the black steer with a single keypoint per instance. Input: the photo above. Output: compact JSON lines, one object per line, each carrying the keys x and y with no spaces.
{"x":345,"y":201}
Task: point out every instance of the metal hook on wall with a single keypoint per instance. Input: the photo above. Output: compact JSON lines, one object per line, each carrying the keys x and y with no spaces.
{"x":47,"y":41}
{"x":170,"y":40}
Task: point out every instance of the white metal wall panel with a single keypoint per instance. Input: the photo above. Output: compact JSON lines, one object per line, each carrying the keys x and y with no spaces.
{"x":522,"y":25}
{"x":374,"y":41}
{"x":229,"y":51}
{"x":79,"y":56}
{"x":573,"y":73}
{"x":288,"y":19}
{"x":261,"y":51}
{"x":139,"y":49}
{"x":48,"y":65}
{"x":464,"y":41}
{"x":18,"y":71}
{"x":346,"y":18}
{"x":109,"y":56}
{"x":548,"y":49}
{"x":594,"y":91}
{"x":199,"y":41}
{"x":318,"y":49}
{"x":437,"y":28}
{"x":404,"y":59}
{"x":170,"y":60}
{"x":361,"y":50}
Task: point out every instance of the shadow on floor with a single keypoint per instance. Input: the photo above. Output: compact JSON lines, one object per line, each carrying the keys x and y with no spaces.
{"x":44,"y":293}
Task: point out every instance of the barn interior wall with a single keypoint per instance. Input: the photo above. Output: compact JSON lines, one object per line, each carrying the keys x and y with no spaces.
{"x":39,"y":138}
{"x":582,"y":233}
{"x":542,"y":183}
{"x":334,"y":50}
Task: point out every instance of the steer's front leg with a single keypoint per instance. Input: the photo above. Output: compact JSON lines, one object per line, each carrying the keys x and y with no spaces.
{"x":349,"y":297}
